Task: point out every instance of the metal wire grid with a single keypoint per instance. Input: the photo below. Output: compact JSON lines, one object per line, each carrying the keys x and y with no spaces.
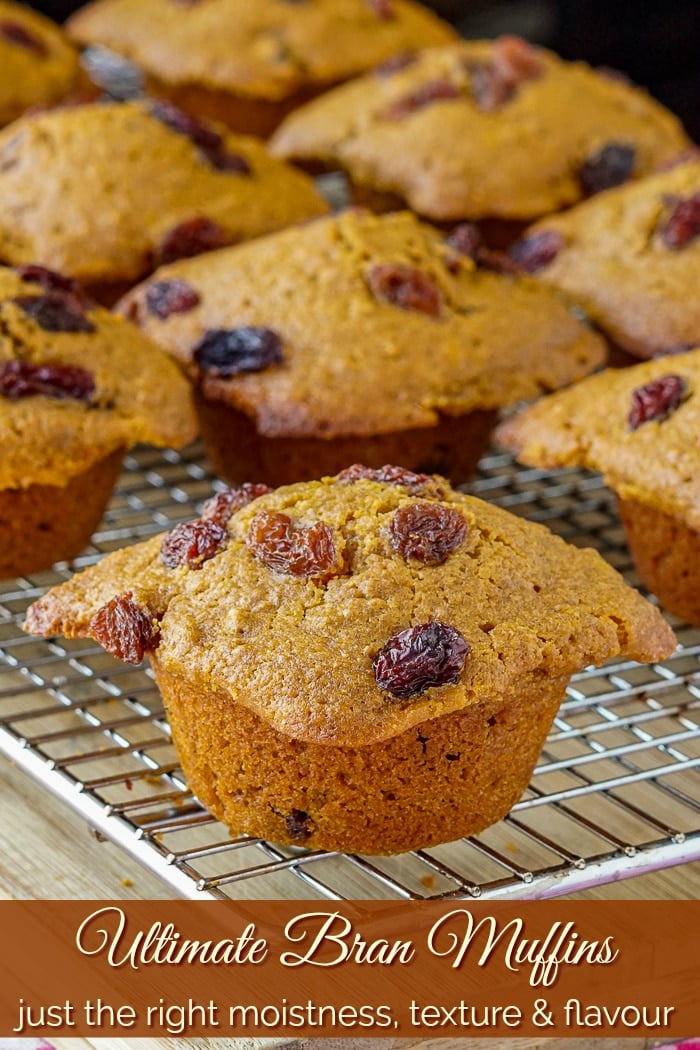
{"x":616,"y":792}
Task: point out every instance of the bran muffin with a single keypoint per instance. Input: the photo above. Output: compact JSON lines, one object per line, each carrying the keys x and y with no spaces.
{"x":369,"y":663}
{"x":483,"y":130}
{"x":640,"y":427}
{"x":354,"y":337}
{"x":39,"y":65}
{"x":105,"y":192}
{"x":78,"y":387}
{"x":631,"y":257}
{"x":249,"y":64}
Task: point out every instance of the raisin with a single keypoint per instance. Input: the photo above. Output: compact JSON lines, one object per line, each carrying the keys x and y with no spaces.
{"x":22,"y":379}
{"x":683,"y":224}
{"x":294,"y":550}
{"x":610,"y":166}
{"x":420,"y":658}
{"x":235,"y":163}
{"x":191,"y":237}
{"x":405,"y":287}
{"x":465,"y":239}
{"x":208,"y":140}
{"x":299,"y":824}
{"x":22,"y":37}
{"x":657,"y":400}
{"x":389,"y":475}
{"x":395,"y":63}
{"x":124,"y":629}
{"x":51,"y":281}
{"x":191,"y":543}
{"x":427,"y":532}
{"x":536,"y":251}
{"x":498,"y":262}
{"x":420,"y":97}
{"x":228,"y":351}
{"x":55,"y":312}
{"x":221,"y":507}
{"x":513,"y":61}
{"x":164,"y":298}
{"x":383,"y":9}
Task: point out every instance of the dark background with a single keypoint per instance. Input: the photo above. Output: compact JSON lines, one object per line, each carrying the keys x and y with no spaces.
{"x":655,"y":42}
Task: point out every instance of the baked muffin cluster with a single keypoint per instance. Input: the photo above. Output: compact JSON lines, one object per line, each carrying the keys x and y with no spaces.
{"x":371,"y":661}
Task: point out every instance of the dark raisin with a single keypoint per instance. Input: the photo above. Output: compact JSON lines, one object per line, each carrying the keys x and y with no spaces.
{"x":427,"y":532}
{"x":191,"y":543}
{"x":419,"y":658}
{"x":536,"y":251}
{"x":124,"y":629}
{"x":228,"y":351}
{"x":493,"y":83}
{"x":299,"y":824}
{"x":235,"y":163}
{"x":22,"y":37}
{"x":55,"y":312}
{"x":465,"y":239}
{"x":390,"y":475}
{"x":431,"y":91}
{"x":202,"y":135}
{"x":22,"y":379}
{"x":405,"y":287}
{"x":164,"y":298}
{"x":657,"y":400}
{"x":294,"y":550}
{"x":610,"y":166}
{"x":683,"y":224}
{"x":191,"y":237}
{"x":51,"y":281}
{"x":383,"y":9}
{"x":395,"y":63}
{"x":221,"y":507}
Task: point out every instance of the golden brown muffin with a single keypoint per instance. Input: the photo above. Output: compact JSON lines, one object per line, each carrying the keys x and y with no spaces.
{"x":353,"y":337}
{"x":249,"y":64}
{"x":484,"y":130}
{"x":370,"y":662}
{"x":631,"y":257}
{"x":105,"y":192}
{"x":640,"y":427}
{"x":38,"y":63}
{"x":78,"y":386}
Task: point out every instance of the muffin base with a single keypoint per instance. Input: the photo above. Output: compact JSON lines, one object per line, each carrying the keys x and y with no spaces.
{"x":666,"y":554}
{"x":242,"y":113}
{"x":43,"y":524}
{"x":441,"y":780}
{"x":239,"y":453}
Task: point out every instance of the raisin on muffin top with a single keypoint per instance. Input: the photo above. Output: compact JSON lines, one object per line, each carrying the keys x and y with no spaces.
{"x":484,"y":129}
{"x":104,"y":192}
{"x":348,"y":610}
{"x":39,"y":65}
{"x":77,"y":382}
{"x":360,"y":324}
{"x":269,"y":49}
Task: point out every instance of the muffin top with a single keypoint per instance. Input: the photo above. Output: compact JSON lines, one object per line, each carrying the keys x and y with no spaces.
{"x":347,"y":610}
{"x":77,"y":382}
{"x":360,"y":324}
{"x":485,"y":129}
{"x":39,"y":65}
{"x":270,"y":49}
{"x":638,"y":426}
{"x":631,"y":256}
{"x":103,"y":192}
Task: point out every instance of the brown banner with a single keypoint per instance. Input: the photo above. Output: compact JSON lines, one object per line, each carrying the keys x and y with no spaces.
{"x":370,"y":968}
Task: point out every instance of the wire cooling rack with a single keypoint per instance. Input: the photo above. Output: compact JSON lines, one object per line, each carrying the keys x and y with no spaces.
{"x":616,"y":791}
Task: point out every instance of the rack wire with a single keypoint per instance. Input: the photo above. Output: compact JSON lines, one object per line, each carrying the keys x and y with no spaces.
{"x":616,"y":791}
